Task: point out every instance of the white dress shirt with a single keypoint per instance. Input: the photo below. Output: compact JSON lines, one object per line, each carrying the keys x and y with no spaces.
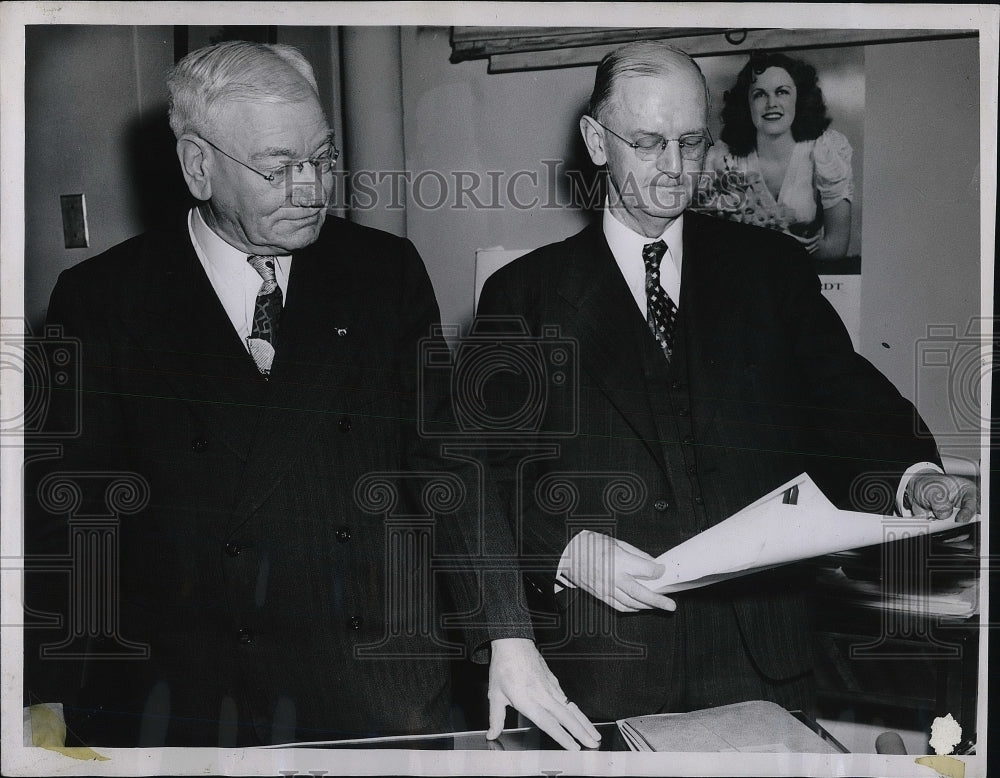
{"x":626,"y":246}
{"x":234,"y":280}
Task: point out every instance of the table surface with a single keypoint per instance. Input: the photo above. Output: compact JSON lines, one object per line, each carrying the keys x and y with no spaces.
{"x":520,"y":739}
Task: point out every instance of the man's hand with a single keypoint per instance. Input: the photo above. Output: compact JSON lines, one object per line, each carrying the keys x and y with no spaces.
{"x":520,"y":678}
{"x":939,"y":494}
{"x":611,"y":570}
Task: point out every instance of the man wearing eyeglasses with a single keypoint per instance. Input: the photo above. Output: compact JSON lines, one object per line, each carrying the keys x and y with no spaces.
{"x":252,"y":373}
{"x":711,"y":371}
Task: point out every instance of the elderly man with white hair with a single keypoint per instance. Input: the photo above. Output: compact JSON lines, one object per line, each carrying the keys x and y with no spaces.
{"x":254,"y":368}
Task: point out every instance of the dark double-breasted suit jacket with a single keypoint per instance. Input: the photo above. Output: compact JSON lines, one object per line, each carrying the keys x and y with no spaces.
{"x":270,"y":568}
{"x":763,"y":385}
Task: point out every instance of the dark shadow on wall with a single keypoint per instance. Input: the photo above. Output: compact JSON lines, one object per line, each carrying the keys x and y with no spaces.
{"x":158,"y":188}
{"x":582,"y":185}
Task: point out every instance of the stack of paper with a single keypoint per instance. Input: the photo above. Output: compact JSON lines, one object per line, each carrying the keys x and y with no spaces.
{"x":748,"y":727}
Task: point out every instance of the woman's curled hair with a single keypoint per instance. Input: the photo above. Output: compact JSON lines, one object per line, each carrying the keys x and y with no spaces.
{"x":738,"y":131}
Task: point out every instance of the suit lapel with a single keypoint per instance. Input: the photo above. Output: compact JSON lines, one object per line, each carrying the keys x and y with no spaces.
{"x":712,"y":288}
{"x":609,"y":328}
{"x":184,"y":331}
{"x":322,"y":329}
{"x":713,"y":298}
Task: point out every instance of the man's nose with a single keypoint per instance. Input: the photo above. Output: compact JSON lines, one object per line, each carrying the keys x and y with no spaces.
{"x":308,"y":189}
{"x":670,"y":161}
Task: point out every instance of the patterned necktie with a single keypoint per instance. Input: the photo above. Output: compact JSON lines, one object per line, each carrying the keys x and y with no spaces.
{"x":266,"y":314}
{"x":661,"y":313}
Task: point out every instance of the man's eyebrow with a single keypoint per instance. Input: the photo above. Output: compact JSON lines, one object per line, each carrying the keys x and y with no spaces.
{"x":652,"y":134}
{"x":275,"y":151}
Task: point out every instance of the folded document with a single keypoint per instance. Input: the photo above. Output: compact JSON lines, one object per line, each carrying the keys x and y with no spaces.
{"x":794,"y":522}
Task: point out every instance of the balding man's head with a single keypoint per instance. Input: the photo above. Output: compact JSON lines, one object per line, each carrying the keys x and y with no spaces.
{"x":641,"y":58}
{"x":648,"y":124}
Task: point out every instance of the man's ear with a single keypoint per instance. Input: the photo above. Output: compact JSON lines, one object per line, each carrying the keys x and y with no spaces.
{"x":593,"y":137}
{"x":191,"y":151}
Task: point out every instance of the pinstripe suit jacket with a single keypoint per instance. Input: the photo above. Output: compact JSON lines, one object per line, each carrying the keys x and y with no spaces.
{"x":267,"y":572}
{"x":764,"y":385}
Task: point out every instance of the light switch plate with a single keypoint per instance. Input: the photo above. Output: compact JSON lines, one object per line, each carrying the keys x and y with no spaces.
{"x":74,"y":218}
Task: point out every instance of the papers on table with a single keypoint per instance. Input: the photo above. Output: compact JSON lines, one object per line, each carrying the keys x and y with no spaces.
{"x":746,"y":727}
{"x":794,"y":522}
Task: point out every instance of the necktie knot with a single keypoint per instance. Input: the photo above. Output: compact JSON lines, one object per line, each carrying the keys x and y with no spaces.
{"x":265,"y":269}
{"x":652,"y":254}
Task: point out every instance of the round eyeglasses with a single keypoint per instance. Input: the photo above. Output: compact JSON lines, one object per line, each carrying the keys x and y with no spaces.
{"x":693,"y":145}
{"x":322,"y":163}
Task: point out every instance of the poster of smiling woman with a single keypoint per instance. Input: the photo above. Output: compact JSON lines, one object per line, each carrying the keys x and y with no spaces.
{"x":789,"y":131}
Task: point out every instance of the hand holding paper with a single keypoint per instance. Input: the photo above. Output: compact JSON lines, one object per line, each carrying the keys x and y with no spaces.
{"x":611,"y":570}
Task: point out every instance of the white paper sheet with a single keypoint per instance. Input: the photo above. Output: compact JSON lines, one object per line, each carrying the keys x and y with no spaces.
{"x":772,"y":532}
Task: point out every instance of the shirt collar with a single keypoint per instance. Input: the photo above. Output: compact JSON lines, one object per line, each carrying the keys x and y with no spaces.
{"x":627,"y":238}
{"x":626,"y":245}
{"x":219,"y":254}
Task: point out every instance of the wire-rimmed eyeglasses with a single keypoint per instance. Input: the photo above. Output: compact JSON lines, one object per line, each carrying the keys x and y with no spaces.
{"x":693,"y":145}
{"x":323,"y":163}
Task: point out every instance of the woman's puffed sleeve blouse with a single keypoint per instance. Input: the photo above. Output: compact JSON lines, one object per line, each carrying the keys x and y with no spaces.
{"x":833,"y":176}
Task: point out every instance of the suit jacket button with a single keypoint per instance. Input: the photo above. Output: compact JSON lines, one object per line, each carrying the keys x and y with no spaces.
{"x":198,"y":445}
{"x":245,"y":636}
{"x":355,"y":622}
{"x":344,"y":425}
{"x":692,"y":469}
{"x":233,"y":548}
{"x":684,"y":412}
{"x":688,"y":440}
{"x":699,"y":500}
{"x":660,"y":505}
{"x":343,"y":534}
{"x":676,"y":385}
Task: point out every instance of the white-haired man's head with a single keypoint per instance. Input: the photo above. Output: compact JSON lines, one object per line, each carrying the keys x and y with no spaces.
{"x":207,"y":79}
{"x":254,"y":145}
